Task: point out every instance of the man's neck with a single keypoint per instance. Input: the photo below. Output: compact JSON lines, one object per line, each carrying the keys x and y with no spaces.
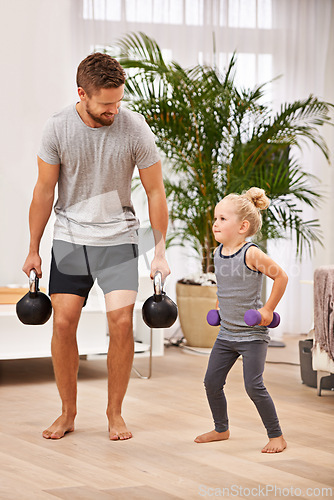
{"x":88,"y":120}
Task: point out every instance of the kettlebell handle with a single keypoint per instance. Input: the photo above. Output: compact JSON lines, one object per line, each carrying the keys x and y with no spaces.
{"x":33,"y":282}
{"x":157,"y":286}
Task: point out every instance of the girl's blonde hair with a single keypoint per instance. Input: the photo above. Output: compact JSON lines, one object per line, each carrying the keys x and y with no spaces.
{"x":249,"y":205}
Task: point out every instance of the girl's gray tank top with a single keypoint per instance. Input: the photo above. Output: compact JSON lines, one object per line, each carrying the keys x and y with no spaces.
{"x":238,"y":289}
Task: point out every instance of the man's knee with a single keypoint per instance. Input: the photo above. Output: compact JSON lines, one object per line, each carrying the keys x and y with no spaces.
{"x":66,"y":313}
{"x":64,"y":326}
{"x":120,"y":323}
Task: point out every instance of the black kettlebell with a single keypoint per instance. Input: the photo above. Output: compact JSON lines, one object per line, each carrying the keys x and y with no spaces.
{"x":35,"y":307}
{"x":159,"y":311}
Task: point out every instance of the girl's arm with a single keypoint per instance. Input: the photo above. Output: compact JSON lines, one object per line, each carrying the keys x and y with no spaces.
{"x":259,"y":261}
{"x":217,"y":301}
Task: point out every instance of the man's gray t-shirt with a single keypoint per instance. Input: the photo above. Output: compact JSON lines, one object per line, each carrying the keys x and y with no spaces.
{"x":96,"y":167}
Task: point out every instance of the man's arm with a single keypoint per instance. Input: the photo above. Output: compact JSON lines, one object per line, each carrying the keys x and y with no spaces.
{"x":152,"y":181}
{"x":39,"y":213}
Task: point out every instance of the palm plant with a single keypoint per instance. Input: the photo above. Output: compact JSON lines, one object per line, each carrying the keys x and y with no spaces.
{"x":220,"y":139}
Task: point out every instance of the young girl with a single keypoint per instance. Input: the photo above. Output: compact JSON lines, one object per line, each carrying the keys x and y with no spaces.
{"x":239,"y":268}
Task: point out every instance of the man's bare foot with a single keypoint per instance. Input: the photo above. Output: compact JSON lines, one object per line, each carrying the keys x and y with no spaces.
{"x":118,"y":429}
{"x":275,"y":445}
{"x":212,"y":436}
{"x":59,"y":428}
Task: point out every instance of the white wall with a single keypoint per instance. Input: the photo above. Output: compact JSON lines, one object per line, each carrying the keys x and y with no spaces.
{"x":36,"y":80}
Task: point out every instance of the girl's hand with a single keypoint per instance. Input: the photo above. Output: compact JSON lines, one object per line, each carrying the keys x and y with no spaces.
{"x":266,"y":316}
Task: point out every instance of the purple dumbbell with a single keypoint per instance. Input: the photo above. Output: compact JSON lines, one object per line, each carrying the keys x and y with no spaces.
{"x":253,"y":317}
{"x":213,"y":317}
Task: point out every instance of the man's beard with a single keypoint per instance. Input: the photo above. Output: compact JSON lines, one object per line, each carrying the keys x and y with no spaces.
{"x":100,"y":119}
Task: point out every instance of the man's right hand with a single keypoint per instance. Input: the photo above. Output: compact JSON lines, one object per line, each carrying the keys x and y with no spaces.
{"x":33,"y":261}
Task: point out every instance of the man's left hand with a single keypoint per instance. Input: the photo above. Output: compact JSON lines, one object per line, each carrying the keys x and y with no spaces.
{"x":160,"y":264}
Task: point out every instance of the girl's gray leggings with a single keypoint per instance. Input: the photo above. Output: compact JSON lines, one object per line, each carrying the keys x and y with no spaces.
{"x":223,"y":356}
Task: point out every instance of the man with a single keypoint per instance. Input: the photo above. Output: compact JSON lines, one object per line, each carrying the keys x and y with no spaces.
{"x":90,"y":150}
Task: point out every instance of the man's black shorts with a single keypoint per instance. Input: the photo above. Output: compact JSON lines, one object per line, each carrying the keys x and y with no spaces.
{"x":74,"y":268}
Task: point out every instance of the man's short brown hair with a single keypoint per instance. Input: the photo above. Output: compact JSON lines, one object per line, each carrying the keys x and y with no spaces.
{"x":99,"y":71}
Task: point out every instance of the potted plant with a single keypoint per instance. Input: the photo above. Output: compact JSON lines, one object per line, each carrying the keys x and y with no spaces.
{"x":220,"y":139}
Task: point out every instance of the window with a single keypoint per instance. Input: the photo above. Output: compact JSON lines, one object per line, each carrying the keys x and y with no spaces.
{"x":168,"y":11}
{"x":154,"y":11}
{"x":194,"y":12}
{"x":102,"y":10}
{"x":249,"y":14}
{"x":235,"y":24}
{"x":230,"y":13}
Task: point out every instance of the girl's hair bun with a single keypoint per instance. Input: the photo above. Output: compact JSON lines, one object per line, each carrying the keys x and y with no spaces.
{"x":258,"y":197}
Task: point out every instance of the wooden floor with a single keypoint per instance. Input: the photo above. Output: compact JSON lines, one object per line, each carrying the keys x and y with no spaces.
{"x":165,"y":414}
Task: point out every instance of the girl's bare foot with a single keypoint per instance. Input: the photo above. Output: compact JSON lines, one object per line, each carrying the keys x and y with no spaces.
{"x":208,"y":437}
{"x":118,"y":429}
{"x":59,"y":428}
{"x":275,"y":445}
